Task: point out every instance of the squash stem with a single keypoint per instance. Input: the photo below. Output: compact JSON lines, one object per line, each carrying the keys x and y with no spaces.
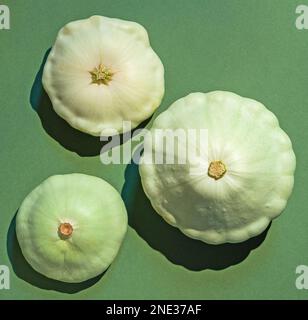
{"x":217,"y":169}
{"x":65,"y":230}
{"x":101,"y":75}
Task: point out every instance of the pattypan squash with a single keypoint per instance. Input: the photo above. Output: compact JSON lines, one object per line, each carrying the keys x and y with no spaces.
{"x":102,"y":71}
{"x":71,"y":226}
{"x":239,"y":180}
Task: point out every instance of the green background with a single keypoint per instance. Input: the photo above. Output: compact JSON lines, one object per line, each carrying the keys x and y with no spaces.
{"x":249,"y":47}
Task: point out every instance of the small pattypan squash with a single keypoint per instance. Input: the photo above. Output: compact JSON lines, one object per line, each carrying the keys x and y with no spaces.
{"x":71,"y":226}
{"x":246,"y":174}
{"x":102,"y":71}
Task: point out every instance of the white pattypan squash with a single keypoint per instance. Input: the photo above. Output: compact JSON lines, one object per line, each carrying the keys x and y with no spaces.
{"x":71,"y":226}
{"x":246,"y":174}
{"x":102,"y":71}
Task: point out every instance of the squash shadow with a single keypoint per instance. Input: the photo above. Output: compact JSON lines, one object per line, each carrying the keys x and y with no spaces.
{"x":72,"y":139}
{"x":24,"y":271}
{"x":173,"y":244}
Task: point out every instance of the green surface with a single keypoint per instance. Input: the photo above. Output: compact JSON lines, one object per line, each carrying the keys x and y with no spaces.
{"x":249,"y":47}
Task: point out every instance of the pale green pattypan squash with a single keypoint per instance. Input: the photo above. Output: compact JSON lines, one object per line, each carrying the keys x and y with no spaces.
{"x":237,"y":182}
{"x":71,"y":226}
{"x":102,"y":71}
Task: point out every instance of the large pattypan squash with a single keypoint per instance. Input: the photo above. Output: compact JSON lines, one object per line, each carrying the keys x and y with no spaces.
{"x":102,"y":71}
{"x":239,"y":180}
{"x":70,"y":227}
